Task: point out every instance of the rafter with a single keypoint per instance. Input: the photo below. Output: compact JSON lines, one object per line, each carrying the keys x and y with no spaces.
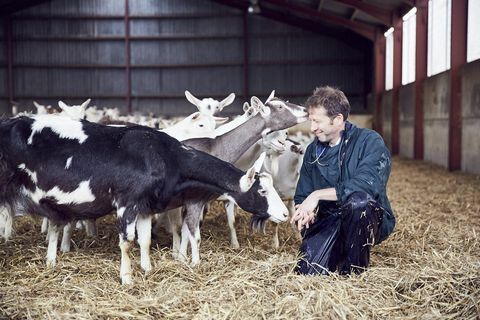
{"x":354,"y":14}
{"x":381,"y":14}
{"x":309,"y":23}
{"x":320,"y":5}
{"x":363,"y":29}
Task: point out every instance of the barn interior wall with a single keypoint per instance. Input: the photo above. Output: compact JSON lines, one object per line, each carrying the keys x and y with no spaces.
{"x":4,"y":105}
{"x":387,"y":104}
{"x":436,"y":98}
{"x":471,"y":117}
{"x":61,"y":51}
{"x":407,"y":118}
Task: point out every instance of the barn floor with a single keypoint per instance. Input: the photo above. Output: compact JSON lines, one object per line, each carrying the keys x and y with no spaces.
{"x":429,"y":268}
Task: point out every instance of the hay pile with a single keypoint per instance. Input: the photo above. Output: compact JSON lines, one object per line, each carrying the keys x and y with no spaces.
{"x":429,"y":268}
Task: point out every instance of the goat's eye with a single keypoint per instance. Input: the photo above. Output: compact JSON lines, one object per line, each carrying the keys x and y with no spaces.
{"x":262,"y":192}
{"x":201,"y":125}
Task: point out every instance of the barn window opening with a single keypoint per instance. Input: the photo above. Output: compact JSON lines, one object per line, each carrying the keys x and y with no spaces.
{"x":439,"y":35}
{"x":389,"y":59}
{"x":408,"y":46}
{"x":473,"y":30}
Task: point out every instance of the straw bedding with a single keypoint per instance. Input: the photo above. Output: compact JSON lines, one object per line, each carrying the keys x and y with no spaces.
{"x":429,"y":268}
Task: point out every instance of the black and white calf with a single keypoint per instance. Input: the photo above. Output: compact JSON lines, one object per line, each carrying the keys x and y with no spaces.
{"x":66,"y":170}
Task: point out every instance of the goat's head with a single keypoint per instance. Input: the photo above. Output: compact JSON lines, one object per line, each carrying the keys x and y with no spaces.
{"x":259,"y":197}
{"x":274,"y":142}
{"x":203,"y":123}
{"x":42,"y":109}
{"x":209,"y":105}
{"x":76,"y":112}
{"x":279,"y":114}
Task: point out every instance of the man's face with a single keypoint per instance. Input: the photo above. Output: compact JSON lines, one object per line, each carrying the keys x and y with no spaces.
{"x":327,"y":130}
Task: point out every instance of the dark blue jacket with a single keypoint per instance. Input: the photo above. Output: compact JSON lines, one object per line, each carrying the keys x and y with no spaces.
{"x":361,"y":162}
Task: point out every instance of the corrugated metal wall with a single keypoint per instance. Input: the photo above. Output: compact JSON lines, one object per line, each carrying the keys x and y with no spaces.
{"x":76,"y":49}
{"x":4,"y":104}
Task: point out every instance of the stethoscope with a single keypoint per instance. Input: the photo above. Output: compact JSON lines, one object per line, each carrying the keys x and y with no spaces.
{"x":341,"y":155}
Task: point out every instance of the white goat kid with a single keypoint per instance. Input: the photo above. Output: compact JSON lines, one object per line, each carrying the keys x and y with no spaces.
{"x":75,"y":112}
{"x":196,"y":125}
{"x":209,"y":105}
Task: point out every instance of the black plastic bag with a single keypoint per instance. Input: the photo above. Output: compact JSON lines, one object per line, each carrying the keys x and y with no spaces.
{"x":317,"y":245}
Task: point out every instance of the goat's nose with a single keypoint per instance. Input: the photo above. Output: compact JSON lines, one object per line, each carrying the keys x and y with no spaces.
{"x":285,"y":214}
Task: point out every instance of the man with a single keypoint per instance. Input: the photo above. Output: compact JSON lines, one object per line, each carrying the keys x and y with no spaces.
{"x":341,"y":202}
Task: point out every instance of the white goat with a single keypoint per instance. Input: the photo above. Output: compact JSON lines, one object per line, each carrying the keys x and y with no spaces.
{"x":75,"y":112}
{"x":196,"y":125}
{"x":284,"y":159}
{"x":209,"y":105}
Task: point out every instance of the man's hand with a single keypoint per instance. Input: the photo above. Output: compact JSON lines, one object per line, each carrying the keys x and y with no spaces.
{"x":305,"y":212}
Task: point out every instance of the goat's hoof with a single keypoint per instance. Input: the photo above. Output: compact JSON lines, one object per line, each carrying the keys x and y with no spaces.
{"x":147,"y":268}
{"x":51,"y":263}
{"x":194,"y":264}
{"x":181,"y":258}
{"x":127,"y":279}
{"x":235,"y":245}
{"x":276,"y":245}
{"x":65,"y":248}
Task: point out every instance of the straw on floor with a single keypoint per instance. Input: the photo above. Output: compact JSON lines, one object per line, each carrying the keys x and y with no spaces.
{"x":429,"y":268}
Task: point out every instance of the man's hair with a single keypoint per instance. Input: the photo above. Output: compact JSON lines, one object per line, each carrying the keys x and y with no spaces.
{"x":331,"y":99}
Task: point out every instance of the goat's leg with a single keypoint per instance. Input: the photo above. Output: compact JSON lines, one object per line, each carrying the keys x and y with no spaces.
{"x":127,"y":220}
{"x":144,"y":233}
{"x":6,"y":222}
{"x":182,"y":254}
{"x":44,"y":227}
{"x":193,"y":213}
{"x":275,"y":242}
{"x":66,"y":237}
{"x":230,"y":210}
{"x":53,"y":233}
{"x":174,"y":224}
{"x":91,"y":227}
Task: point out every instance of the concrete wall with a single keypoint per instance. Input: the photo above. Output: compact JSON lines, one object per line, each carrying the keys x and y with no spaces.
{"x":407,"y":120}
{"x":436,"y":99}
{"x":471,"y":117}
{"x":387,"y":117}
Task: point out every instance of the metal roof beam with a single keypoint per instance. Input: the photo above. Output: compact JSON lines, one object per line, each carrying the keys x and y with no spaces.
{"x":320,"y":5}
{"x":363,"y":29}
{"x":381,"y":14}
{"x":354,"y":14}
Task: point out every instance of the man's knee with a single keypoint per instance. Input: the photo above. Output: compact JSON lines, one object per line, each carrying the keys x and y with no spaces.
{"x":358,"y":201}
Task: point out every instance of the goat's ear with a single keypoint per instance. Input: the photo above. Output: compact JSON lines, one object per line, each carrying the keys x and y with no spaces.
{"x":258,"y":104}
{"x":195,"y":115}
{"x":247,"y":180}
{"x":255,"y":102}
{"x":85,"y":104}
{"x":192,"y":99}
{"x":228,"y":100}
{"x":220,"y":120}
{"x":63,"y":105}
{"x":259,"y":162}
{"x":271,"y":96}
{"x":35,"y":103}
{"x":246,"y":106}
